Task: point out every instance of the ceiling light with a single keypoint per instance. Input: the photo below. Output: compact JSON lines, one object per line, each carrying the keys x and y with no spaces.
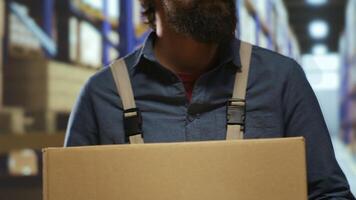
{"x":320,"y":49}
{"x":317,"y":2}
{"x":318,"y":29}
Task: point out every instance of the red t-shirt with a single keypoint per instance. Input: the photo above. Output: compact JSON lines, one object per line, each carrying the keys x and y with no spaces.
{"x":188,"y":82}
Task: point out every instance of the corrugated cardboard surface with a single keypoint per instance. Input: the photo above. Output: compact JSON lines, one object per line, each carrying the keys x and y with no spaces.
{"x":269,"y":169}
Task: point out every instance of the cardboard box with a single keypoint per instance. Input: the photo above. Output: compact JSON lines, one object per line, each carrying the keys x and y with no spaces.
{"x":42,"y":85}
{"x":269,"y":169}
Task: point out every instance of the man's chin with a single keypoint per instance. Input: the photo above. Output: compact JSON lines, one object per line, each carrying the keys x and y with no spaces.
{"x":205,"y":21}
{"x":210,"y":39}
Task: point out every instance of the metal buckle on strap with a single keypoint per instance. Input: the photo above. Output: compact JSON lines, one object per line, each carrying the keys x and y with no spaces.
{"x":236,"y":109}
{"x":132,"y":122}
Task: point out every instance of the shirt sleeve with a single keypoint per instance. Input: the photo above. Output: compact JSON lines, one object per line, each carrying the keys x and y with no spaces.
{"x":303,"y":117}
{"x":82,"y":127}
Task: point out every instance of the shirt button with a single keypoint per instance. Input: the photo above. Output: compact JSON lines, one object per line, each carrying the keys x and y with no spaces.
{"x":192,"y":117}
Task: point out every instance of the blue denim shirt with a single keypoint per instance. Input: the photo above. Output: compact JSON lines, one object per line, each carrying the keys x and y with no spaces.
{"x":280,"y":103}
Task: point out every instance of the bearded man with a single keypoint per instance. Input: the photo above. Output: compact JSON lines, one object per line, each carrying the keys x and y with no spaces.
{"x":183,"y":78}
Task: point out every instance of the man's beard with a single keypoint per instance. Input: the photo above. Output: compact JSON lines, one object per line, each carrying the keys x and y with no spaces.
{"x":206,"y":21}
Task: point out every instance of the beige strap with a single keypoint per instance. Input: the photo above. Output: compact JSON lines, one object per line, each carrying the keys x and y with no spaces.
{"x":123,"y":84}
{"x":136,"y":139}
{"x":234,"y":132}
{"x":124,"y":88}
{"x":240,"y":87}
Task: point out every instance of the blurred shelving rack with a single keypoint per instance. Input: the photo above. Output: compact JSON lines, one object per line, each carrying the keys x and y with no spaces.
{"x":347,"y":49}
{"x":265,"y":23}
{"x":52,"y":18}
{"x":270,"y":20}
{"x":34,"y":75}
{"x":29,"y":58}
{"x":130,"y":36}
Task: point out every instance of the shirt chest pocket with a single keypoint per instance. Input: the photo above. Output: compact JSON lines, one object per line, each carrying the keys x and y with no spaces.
{"x":263,"y":126}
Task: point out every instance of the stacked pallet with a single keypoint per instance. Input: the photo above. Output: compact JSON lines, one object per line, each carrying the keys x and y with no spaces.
{"x":11,"y":119}
{"x":45,"y":89}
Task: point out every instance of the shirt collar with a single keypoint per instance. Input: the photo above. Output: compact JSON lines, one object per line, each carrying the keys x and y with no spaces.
{"x":228,"y":52}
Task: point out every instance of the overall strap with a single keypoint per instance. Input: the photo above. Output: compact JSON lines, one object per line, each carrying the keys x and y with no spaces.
{"x":131,"y":115}
{"x":236,"y":108}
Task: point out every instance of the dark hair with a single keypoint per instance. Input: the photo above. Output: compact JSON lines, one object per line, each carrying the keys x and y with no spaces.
{"x":148,"y":12}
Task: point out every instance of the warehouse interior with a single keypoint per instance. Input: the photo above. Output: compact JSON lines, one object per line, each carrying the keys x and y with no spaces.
{"x":49,"y":49}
